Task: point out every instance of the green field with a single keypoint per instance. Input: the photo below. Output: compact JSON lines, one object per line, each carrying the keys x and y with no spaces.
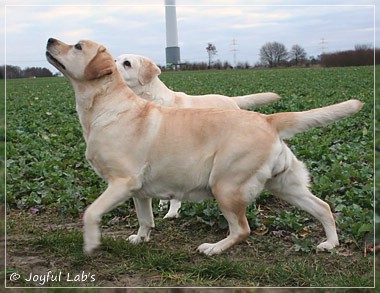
{"x":49,"y":182}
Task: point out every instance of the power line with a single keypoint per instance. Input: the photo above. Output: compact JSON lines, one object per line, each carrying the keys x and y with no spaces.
{"x":234,"y":50}
{"x":323,"y":45}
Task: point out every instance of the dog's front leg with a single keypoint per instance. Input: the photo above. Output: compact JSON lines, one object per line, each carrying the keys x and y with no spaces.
{"x":118,"y":191}
{"x":145,"y":216}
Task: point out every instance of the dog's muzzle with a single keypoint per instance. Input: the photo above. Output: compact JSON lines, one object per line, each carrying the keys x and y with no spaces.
{"x":50,"y":57}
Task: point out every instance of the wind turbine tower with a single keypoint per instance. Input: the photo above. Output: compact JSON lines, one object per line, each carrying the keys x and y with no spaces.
{"x":172,"y":48}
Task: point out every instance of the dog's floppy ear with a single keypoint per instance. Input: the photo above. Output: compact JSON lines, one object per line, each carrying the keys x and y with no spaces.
{"x":148,"y":71}
{"x":102,"y":64}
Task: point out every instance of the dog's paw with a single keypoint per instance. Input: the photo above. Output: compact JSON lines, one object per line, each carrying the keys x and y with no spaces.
{"x":136,"y":239}
{"x":327,"y":245}
{"x":209,"y":248}
{"x":171,"y":215}
{"x":89,"y":248}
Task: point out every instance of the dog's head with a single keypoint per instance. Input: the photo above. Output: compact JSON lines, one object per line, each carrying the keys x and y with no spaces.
{"x":137,"y":70}
{"x":86,"y":60}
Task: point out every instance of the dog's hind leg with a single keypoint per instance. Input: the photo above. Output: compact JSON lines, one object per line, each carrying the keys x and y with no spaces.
{"x":117,"y":192}
{"x":292,"y":186}
{"x":146,"y":221}
{"x":163,"y":204}
{"x":233,"y":207}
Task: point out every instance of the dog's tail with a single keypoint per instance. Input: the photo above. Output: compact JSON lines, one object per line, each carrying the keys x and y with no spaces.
{"x":288,"y":124}
{"x":254,"y":100}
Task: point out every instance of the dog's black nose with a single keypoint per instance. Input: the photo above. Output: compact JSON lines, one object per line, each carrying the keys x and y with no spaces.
{"x":51,"y":41}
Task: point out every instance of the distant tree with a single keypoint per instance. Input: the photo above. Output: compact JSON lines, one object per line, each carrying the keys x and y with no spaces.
{"x":313,"y":60}
{"x":273,"y":54}
{"x":211,"y":51}
{"x":227,"y":65}
{"x":10,"y":71}
{"x":13,"y":71}
{"x":37,"y":72}
{"x":358,"y":57}
{"x":217,"y":65}
{"x":363,"y":47}
{"x":194,"y":66}
{"x":297,"y":54}
{"x":243,"y":65}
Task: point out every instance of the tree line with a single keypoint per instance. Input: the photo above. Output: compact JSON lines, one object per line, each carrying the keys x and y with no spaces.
{"x":17,"y":72}
{"x":272,"y":54}
{"x":275,"y":54}
{"x":361,"y":55}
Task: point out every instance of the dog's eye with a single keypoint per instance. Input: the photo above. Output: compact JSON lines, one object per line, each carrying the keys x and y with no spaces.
{"x":78,"y":46}
{"x":127,"y":63}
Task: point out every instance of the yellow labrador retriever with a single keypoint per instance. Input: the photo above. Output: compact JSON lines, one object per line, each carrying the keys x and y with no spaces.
{"x":142,"y":149}
{"x":141,"y":75}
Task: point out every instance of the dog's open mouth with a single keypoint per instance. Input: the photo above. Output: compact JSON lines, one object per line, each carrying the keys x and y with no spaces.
{"x":54,"y":61}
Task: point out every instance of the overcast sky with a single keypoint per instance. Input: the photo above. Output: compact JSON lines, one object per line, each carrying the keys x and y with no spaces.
{"x":138,"y":27}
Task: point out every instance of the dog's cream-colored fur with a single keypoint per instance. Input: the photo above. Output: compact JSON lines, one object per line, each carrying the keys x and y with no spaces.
{"x":142,"y":149}
{"x":141,"y":75}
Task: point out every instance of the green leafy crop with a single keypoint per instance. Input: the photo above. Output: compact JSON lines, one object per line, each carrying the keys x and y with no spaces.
{"x":47,"y":169}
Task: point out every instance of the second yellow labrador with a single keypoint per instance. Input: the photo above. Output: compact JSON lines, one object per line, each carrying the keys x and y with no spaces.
{"x":141,"y":75}
{"x":141,"y":149}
